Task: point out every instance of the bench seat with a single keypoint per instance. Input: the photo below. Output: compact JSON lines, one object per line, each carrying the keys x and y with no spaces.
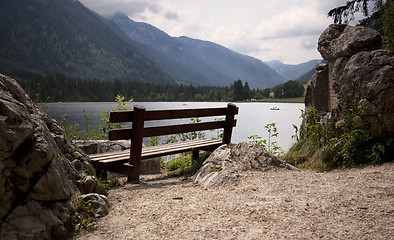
{"x":119,"y":158}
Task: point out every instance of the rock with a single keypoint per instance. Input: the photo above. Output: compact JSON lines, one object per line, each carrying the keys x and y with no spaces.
{"x":31,"y":220}
{"x":345,"y":41}
{"x":100,"y":203}
{"x":317,"y":93}
{"x":359,"y":74}
{"x":101,"y":146}
{"x":367,"y":75}
{"x":370,"y":76}
{"x":150,"y":166}
{"x":86,"y":184}
{"x":40,"y":169}
{"x":228,"y":162}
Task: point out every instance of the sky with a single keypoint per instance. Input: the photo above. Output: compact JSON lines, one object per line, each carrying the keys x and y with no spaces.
{"x":284,"y":30}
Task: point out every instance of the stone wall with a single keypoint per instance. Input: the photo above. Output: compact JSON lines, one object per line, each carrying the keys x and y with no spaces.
{"x":41,"y":172}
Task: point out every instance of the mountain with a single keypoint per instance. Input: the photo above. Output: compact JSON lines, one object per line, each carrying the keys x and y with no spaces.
{"x":196,"y":61}
{"x":125,"y":28}
{"x":306,"y":77}
{"x":62,"y":36}
{"x":292,"y":72}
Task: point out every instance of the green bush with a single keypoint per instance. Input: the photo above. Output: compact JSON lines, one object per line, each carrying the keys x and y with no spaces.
{"x":346,"y":143}
{"x":178,"y":163}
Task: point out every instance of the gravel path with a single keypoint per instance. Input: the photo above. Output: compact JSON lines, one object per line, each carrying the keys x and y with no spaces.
{"x":342,"y":204}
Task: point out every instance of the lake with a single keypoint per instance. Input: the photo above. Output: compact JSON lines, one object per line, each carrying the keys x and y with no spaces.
{"x":251,"y":119}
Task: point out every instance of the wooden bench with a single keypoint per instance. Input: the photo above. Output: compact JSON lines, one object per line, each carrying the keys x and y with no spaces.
{"x":128,"y":162}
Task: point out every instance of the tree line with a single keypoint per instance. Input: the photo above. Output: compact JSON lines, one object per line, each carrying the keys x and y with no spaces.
{"x":60,"y":88}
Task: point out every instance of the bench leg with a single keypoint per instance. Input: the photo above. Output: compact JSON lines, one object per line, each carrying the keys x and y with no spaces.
{"x":133,"y":175}
{"x":195,"y":155}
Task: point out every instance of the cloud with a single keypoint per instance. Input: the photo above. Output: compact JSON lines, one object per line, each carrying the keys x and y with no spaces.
{"x":297,"y":21}
{"x":171,"y":15}
{"x":285,"y":30}
{"x":132,"y":8}
{"x":154,"y":8}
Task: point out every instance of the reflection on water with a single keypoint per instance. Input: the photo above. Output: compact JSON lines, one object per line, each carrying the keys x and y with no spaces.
{"x":251,"y":119}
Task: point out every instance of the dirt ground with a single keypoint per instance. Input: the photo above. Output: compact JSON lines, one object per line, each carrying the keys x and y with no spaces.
{"x":342,"y":204}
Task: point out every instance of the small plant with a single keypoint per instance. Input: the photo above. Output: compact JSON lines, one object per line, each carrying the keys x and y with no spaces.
{"x":219,"y":132}
{"x":74,"y":132}
{"x":113,"y":182}
{"x":178,"y":163}
{"x":214,"y":169}
{"x":191,"y":135}
{"x":107,"y":125}
{"x":84,"y":215}
{"x":187,"y":167}
{"x":153,"y":141}
{"x":270,"y":145}
{"x":101,"y":186}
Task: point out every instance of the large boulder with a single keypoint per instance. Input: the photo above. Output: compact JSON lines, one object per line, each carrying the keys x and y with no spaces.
{"x":345,"y":41}
{"x":38,"y":177}
{"x":369,"y":77}
{"x":228,"y":162}
{"x":357,"y":71}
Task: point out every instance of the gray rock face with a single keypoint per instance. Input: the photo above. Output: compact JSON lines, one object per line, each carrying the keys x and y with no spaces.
{"x":37,"y":173}
{"x":357,"y":71}
{"x":366,"y":75}
{"x":98,"y":202}
{"x":228,"y":162}
{"x":369,"y":76}
{"x":344,"y":41}
{"x":317,"y":93}
{"x":101,"y":146}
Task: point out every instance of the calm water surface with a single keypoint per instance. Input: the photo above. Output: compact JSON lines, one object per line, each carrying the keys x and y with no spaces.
{"x":252,"y":117}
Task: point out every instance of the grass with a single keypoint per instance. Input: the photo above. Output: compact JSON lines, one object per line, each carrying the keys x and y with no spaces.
{"x":184,"y":166}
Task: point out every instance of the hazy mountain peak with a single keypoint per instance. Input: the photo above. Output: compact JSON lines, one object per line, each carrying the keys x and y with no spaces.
{"x":218,"y":65}
{"x":293,"y":71}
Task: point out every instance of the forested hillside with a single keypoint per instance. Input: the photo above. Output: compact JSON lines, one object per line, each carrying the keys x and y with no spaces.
{"x":55,"y":88}
{"x":42,"y":36}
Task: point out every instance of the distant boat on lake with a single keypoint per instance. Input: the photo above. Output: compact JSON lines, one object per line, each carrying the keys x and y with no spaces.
{"x":274,"y":108}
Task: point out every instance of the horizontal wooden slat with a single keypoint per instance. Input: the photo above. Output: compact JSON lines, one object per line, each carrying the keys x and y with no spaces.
{"x":104,"y":159}
{"x":114,"y":158}
{"x":120,"y":134}
{"x":183,"y":113}
{"x":124,"y":116}
{"x":168,"y":147}
{"x":184,"y":148}
{"x":98,"y":156}
{"x":126,"y":133}
{"x":127,"y":116}
{"x":181,"y":128}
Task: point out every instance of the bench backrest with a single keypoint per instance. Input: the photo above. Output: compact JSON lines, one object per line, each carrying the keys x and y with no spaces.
{"x":139,"y":115}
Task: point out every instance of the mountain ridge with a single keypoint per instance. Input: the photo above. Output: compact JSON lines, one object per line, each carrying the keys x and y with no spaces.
{"x":63,"y":36}
{"x":220,"y":66}
{"x":293,"y":71}
{"x":41,"y":36}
